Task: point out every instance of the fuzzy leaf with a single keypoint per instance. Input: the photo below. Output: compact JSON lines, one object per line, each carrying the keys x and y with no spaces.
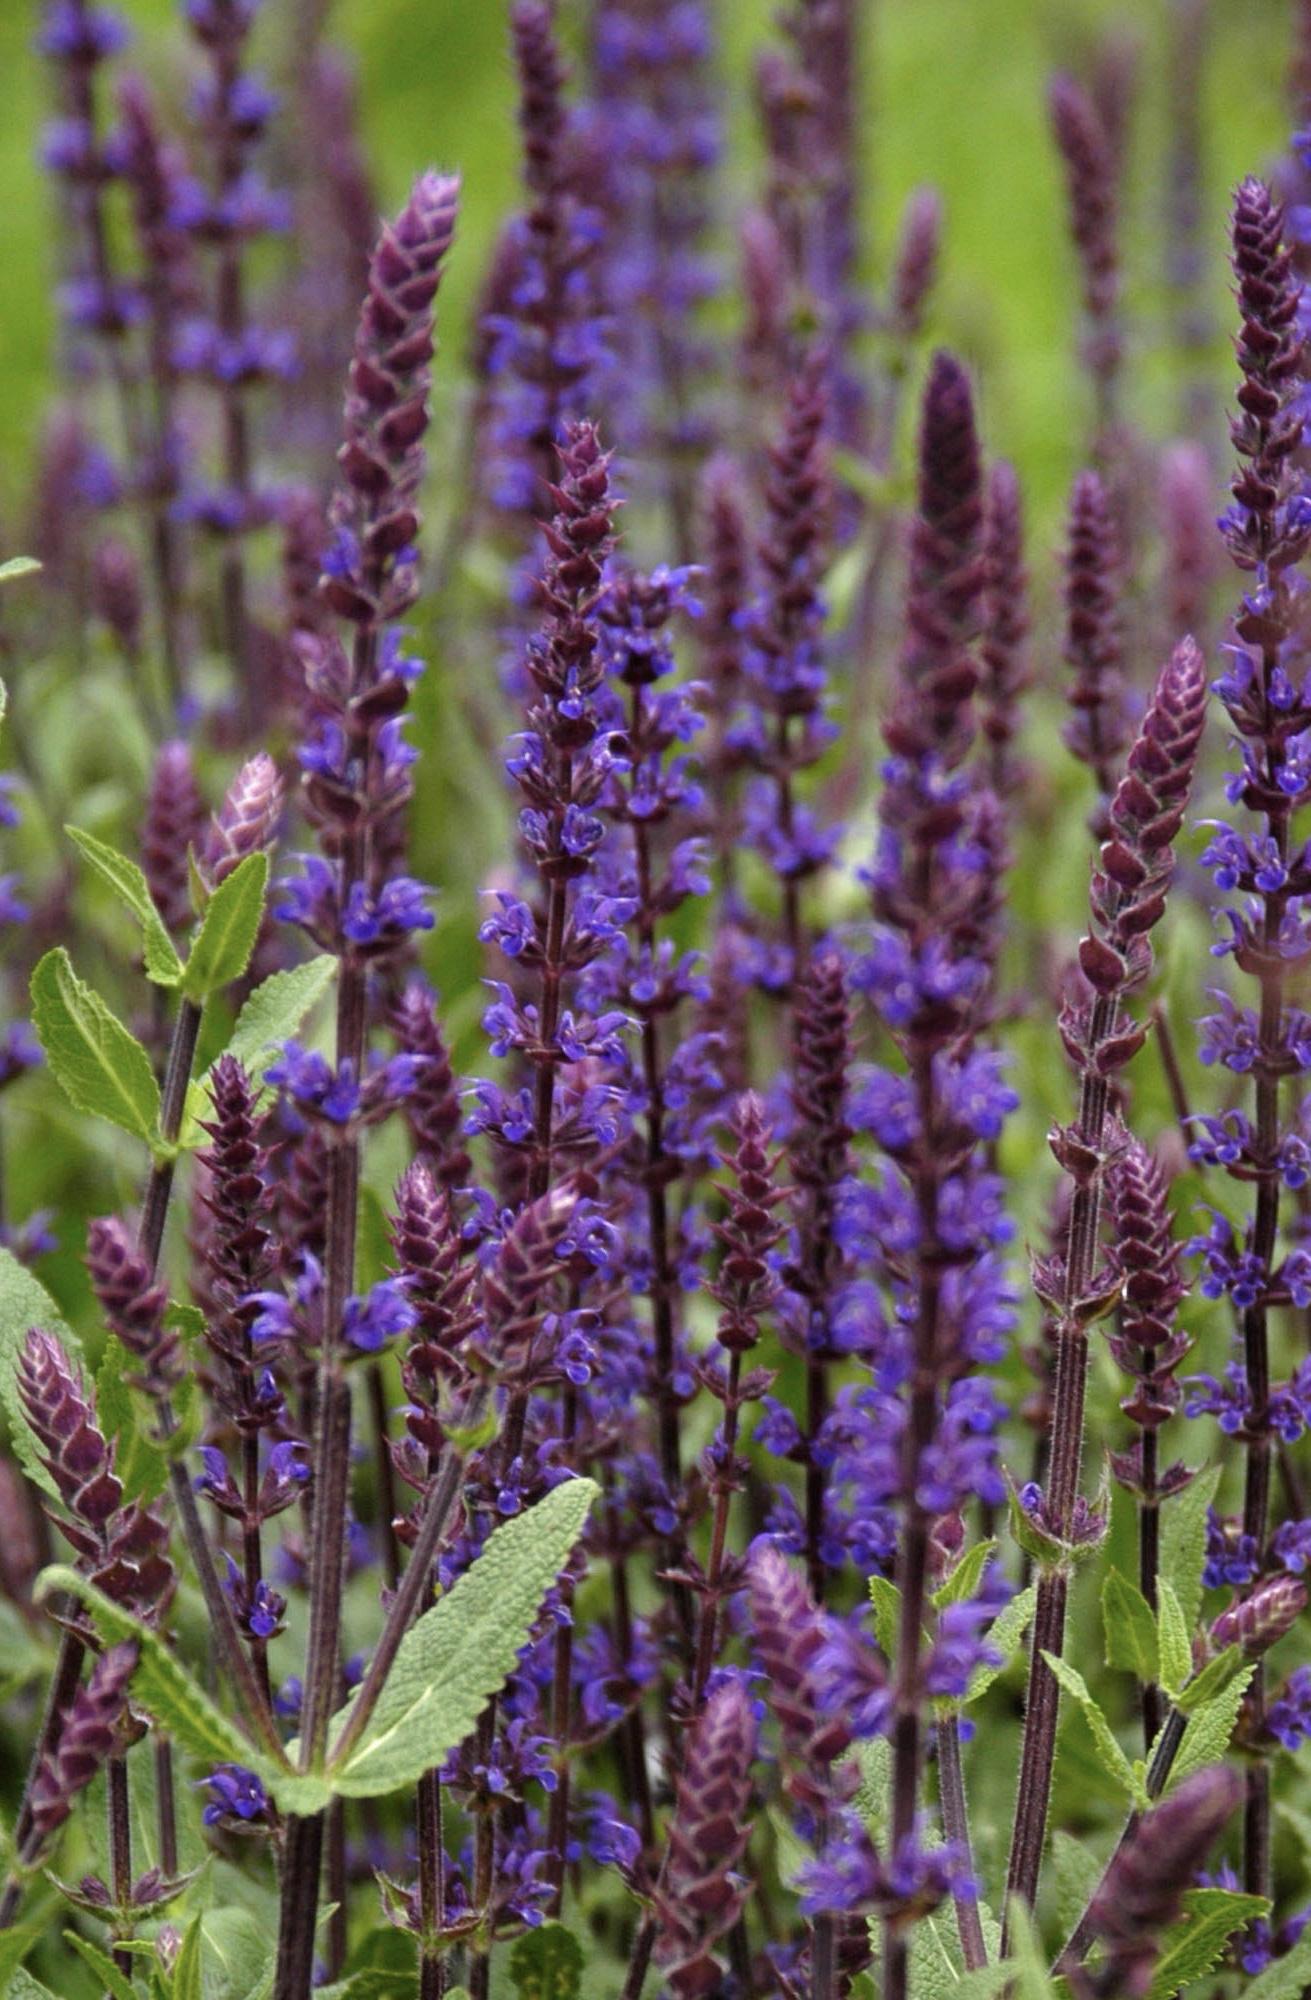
{"x":117,"y":1983}
{"x":187,"y":1983}
{"x":547,"y":1964}
{"x":235,"y":1957}
{"x":1172,"y":1638}
{"x":1210,"y":1727}
{"x":886,"y":1599}
{"x":1215,"y":1675}
{"x":129,"y":884}
{"x":461,"y":1652}
{"x":25,"y":1303}
{"x":874,"y":1757}
{"x":1129,"y":1628}
{"x":1191,"y":1948}
{"x":1183,"y":1541}
{"x":1078,"y":1872}
{"x":1004,"y":1634}
{"x":1287,"y":1978}
{"x":1032,"y":1980}
{"x":228,"y":929}
{"x":1109,"y":1754}
{"x":142,"y":1468}
{"x":101,"y":1068}
{"x":963,"y":1581}
{"x":161,"y":1685}
{"x":274,"y":1012}
{"x":22,"y":1986}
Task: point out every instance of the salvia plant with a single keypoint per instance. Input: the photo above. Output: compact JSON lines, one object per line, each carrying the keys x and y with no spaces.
{"x":655,"y":1255}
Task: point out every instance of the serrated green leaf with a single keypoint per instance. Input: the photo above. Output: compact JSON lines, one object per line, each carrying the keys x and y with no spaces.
{"x":547,"y":1964}
{"x":459,"y":1654}
{"x":129,"y":884}
{"x":963,"y":1581}
{"x":1129,"y":1628}
{"x":1193,"y":1947}
{"x":1172,"y":1638}
{"x":161,"y":1684}
{"x":1032,"y":1979}
{"x":275,"y":1011}
{"x":874,"y":1757}
{"x":1183,"y":1540}
{"x":886,"y":1600}
{"x":141,"y":1466}
{"x":101,"y":1068}
{"x":1109,"y":1754}
{"x":1287,"y":1978}
{"x":17,"y":566}
{"x":22,"y":1986}
{"x":1215,"y":1675}
{"x":187,"y":1984}
{"x":1210,"y":1727}
{"x":118,"y":1983}
{"x":25,"y":1303}
{"x":228,"y":929}
{"x":1078,"y":1873}
{"x":1004,"y":1635}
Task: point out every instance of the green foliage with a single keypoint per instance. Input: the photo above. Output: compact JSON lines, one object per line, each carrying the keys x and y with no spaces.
{"x":25,"y":1303}
{"x":963,"y":1580}
{"x":1109,"y":1754}
{"x":18,"y":566}
{"x":101,"y":1068}
{"x":275,"y":1011}
{"x":1032,"y":1979}
{"x":547,"y":1964}
{"x":1129,"y":1628}
{"x":886,"y":1600}
{"x":228,"y":929}
{"x":1172,"y":1638}
{"x":1210,"y":1727}
{"x":1183,"y":1541}
{"x":139,"y":1463}
{"x":116,"y":1983}
{"x":460,"y":1652}
{"x":1191,"y":1948}
{"x":1004,"y":1635}
{"x":22,"y":1986}
{"x":187,"y":1984}
{"x":1078,"y":1872}
{"x":234,"y":1954}
{"x":1215,"y":1676}
{"x":129,"y":884}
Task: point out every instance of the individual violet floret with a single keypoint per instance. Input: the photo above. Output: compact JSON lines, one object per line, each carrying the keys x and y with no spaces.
{"x":700,"y":1895}
{"x":94,"y":1729}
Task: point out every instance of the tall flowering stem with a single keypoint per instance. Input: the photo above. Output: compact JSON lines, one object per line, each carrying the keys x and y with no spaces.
{"x":1128,"y":897}
{"x":352,"y":763}
{"x":1267,"y":530}
{"x":1091,"y":176}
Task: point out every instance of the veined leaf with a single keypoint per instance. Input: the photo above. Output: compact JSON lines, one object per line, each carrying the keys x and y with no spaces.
{"x":886,"y":1599}
{"x":1194,"y":1946}
{"x":101,"y":1068}
{"x":1032,"y":1979}
{"x":460,"y":1653}
{"x":161,"y":1684}
{"x":1078,"y":1872}
{"x":274,"y":1011}
{"x":25,"y":1303}
{"x":22,"y":1986}
{"x":129,"y":884}
{"x":1210,"y":1727}
{"x":1172,"y":1638}
{"x":963,"y":1581}
{"x":142,"y":1468}
{"x":1109,"y":1754}
{"x":1215,"y":1675}
{"x":547,"y":1964}
{"x":116,"y":1982}
{"x":228,"y":929}
{"x":187,"y":1983}
{"x":1129,"y":1628}
{"x":1004,"y":1634}
{"x":1183,"y":1540}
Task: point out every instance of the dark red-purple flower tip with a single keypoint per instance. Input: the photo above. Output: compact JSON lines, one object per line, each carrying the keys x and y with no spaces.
{"x":1005,"y":625}
{"x":747,"y":1286}
{"x":1142,"y":1892}
{"x":542,"y":77}
{"x":174,"y":823}
{"x":133,"y":1302}
{"x":92,"y":1731}
{"x":1094,"y":644}
{"x":915,"y":266}
{"x":1260,"y":528}
{"x":238,"y":1248}
{"x":1090,"y":178}
{"x":788,"y":1630}
{"x":1260,"y":1621}
{"x":700,"y":1895}
{"x":1147,"y":1341}
{"x":247,"y":821}
{"x":432,"y":1106}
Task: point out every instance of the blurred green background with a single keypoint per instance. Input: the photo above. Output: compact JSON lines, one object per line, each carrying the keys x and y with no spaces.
{"x":955,"y":92}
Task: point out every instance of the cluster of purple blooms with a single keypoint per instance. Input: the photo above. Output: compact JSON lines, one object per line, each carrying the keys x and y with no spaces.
{"x":725,"y":1219}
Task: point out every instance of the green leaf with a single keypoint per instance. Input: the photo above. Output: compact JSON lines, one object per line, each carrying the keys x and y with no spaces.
{"x":1004,"y":1634}
{"x":17,"y":566}
{"x":228,"y":929}
{"x":141,"y":1466}
{"x":963,"y":1581}
{"x":163,"y":965}
{"x":103,"y":1966}
{"x":235,"y":1954}
{"x":547,"y":1964}
{"x":1287,"y":1978}
{"x":1210,"y":1727}
{"x":274,"y":1011}
{"x":459,"y":1654}
{"x":161,"y":1685}
{"x":1183,"y":1540}
{"x":1215,"y":1675}
{"x":22,"y":1986}
{"x":25,"y":1303}
{"x":1129,"y":1628}
{"x":186,"y":1968}
{"x":1172,"y":1638}
{"x":375,"y":1982}
{"x":1109,"y":1754}
{"x":1032,"y":1980}
{"x":886,"y":1599}
{"x":1193,"y":1947}
{"x":101,"y":1068}
{"x":874,"y":1756}
{"x":1078,"y":1873}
